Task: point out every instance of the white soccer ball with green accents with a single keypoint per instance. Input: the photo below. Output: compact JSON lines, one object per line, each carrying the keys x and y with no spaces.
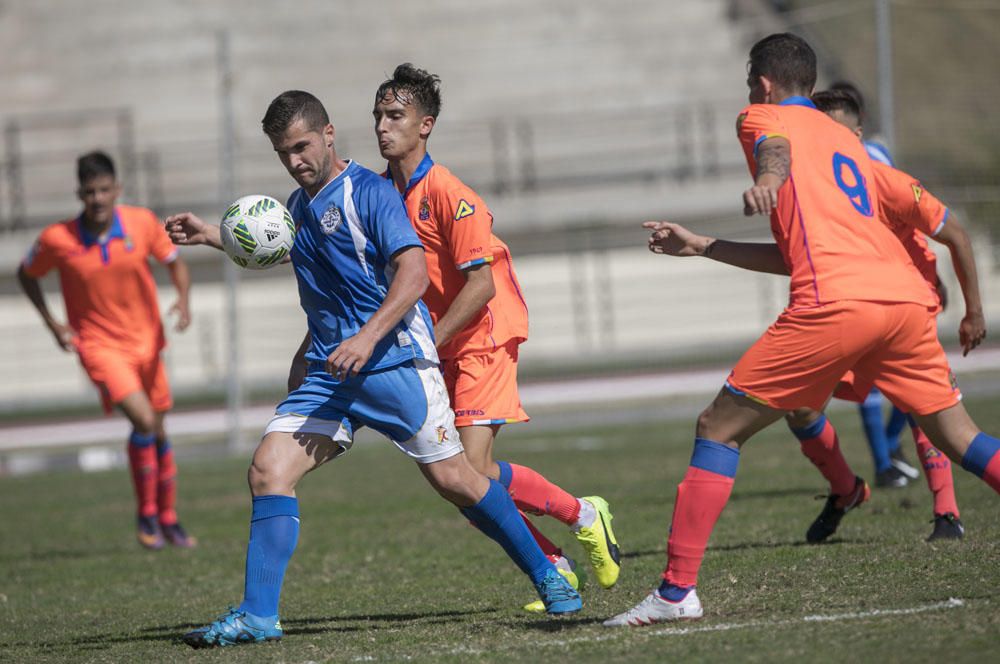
{"x":257,"y":232}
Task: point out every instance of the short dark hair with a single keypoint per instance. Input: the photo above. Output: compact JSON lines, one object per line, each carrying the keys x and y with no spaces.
{"x":850,"y":89}
{"x":293,"y":105}
{"x":422,"y":87}
{"x":837,"y":100}
{"x":787,"y":60}
{"x":92,"y":165}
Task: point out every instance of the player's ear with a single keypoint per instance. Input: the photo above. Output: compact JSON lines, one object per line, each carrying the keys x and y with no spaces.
{"x":426,"y":126}
{"x":860,"y":133}
{"x":767,"y":87}
{"x":328,"y":135}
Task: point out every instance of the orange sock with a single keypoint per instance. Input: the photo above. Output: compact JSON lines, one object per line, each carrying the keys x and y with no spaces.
{"x":166,"y":483}
{"x":820,"y":444}
{"x":701,"y":497}
{"x":142,"y":464}
{"x":937,"y":469}
{"x":535,"y":494}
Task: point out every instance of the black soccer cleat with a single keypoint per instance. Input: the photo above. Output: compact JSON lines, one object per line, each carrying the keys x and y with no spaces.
{"x":892,"y":478}
{"x":946,"y":526}
{"x":899,"y":462}
{"x":835,"y":509}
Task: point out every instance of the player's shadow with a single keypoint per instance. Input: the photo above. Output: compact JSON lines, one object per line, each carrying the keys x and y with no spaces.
{"x":557,"y":624}
{"x":758,"y":494}
{"x":387,"y":617}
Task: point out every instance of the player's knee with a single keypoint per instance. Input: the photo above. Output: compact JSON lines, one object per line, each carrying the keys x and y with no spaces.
{"x":145,"y":425}
{"x":454,"y":481}
{"x":801,"y":418}
{"x":266,"y":477}
{"x":706,"y":423}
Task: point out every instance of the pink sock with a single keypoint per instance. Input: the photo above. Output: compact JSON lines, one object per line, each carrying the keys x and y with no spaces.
{"x":166,"y":484}
{"x":701,"y":497}
{"x":535,"y":494}
{"x":820,"y":444}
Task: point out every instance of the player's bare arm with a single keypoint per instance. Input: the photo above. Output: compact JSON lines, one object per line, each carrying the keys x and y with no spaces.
{"x":180,"y":275}
{"x":408,"y":285}
{"x":972,"y":329}
{"x":774,"y":165}
{"x":64,"y":335}
{"x":675,"y":240}
{"x":478,"y":290}
{"x":186,"y":228}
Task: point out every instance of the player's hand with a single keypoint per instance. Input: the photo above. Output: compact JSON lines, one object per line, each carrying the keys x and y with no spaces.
{"x":65,"y":336}
{"x":183,"y":312}
{"x":971,"y":331}
{"x":186,"y":228}
{"x":759,"y":199}
{"x":350,"y":357}
{"x":675,"y":240}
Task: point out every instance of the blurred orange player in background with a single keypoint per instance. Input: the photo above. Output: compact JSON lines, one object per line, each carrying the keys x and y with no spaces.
{"x":114,"y":326}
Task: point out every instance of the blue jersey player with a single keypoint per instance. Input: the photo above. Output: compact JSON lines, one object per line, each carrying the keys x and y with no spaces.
{"x":367,"y":360}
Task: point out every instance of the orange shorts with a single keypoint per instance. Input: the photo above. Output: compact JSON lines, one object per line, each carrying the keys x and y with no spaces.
{"x":802,"y":357}
{"x":117,"y":375}
{"x":483,"y":387}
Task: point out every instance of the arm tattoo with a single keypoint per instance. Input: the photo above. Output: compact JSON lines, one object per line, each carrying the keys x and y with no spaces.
{"x":775,"y":159}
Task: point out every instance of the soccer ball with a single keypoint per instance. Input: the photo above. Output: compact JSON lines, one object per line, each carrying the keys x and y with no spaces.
{"x":257,"y":232}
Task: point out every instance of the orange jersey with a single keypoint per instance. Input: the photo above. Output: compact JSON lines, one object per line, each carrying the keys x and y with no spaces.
{"x":456,"y":229}
{"x":827,"y":219}
{"x":912,"y":213}
{"x":108,"y":287}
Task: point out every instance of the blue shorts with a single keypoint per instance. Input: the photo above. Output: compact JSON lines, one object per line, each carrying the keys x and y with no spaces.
{"x":407,"y":403}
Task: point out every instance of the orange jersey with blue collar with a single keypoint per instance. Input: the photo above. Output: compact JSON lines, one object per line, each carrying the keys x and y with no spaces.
{"x":912,"y":213}
{"x":827,"y":222}
{"x":456,"y":229}
{"x":107,"y":285}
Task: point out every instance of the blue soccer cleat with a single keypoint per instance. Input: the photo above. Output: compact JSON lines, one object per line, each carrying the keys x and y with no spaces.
{"x":557,"y":594}
{"x":235,"y":628}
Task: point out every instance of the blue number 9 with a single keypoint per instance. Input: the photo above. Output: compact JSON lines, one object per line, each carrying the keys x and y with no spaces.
{"x":857,"y":193}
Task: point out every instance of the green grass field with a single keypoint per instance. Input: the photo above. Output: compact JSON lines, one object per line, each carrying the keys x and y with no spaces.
{"x":386,"y":571}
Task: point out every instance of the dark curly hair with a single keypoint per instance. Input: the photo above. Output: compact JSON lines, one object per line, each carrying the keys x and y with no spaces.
{"x":787,"y":60}
{"x":422,"y":87}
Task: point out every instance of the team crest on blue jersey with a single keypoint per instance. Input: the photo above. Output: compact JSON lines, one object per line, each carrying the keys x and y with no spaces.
{"x":331,"y":220}
{"x":425,"y":209}
{"x":465,"y":209}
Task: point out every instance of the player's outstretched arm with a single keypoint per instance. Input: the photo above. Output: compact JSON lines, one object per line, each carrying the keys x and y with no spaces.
{"x":64,"y":335}
{"x":186,"y":228}
{"x":410,"y":282}
{"x":774,"y":165}
{"x":972,"y":329}
{"x":675,"y":240}
{"x":180,"y":275}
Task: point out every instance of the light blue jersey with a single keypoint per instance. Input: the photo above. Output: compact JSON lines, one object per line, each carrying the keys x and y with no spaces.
{"x":346,"y":237}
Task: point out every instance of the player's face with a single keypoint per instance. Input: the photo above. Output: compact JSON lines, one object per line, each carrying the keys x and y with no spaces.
{"x":306,"y":154}
{"x":98,"y":195}
{"x":399,"y":125}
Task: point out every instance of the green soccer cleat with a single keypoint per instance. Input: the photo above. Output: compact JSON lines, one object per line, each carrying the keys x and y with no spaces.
{"x":566,"y":567}
{"x":598,"y":540}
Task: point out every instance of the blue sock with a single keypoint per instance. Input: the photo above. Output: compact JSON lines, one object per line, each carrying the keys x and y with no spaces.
{"x":505,"y":473}
{"x":981,"y":451}
{"x":871,"y":420}
{"x":274,"y":532}
{"x":897,"y":420}
{"x":497,"y":516}
{"x":137,"y":439}
{"x":672,"y":593}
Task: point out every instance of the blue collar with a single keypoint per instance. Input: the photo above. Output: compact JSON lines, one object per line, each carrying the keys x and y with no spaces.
{"x":423,"y":167}
{"x":89,"y":240}
{"x":797,"y":100}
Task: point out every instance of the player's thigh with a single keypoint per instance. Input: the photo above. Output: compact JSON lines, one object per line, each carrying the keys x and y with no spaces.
{"x":910,"y":366}
{"x":734,"y":418}
{"x":483,"y":387}
{"x":478,"y":444}
{"x":282,"y":458}
{"x":409,"y":405}
{"x":153,"y":374}
{"x":113,"y":372}
{"x":802,"y":356}
{"x":950,"y":430}
{"x":139,"y":411}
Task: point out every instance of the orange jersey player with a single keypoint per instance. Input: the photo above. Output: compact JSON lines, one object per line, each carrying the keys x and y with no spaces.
{"x":479,"y":313}
{"x":102,"y":257}
{"x":856,"y":303}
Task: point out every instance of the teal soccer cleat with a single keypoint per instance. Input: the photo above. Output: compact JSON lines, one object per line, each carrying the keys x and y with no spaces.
{"x":557,"y":594}
{"x":235,"y":628}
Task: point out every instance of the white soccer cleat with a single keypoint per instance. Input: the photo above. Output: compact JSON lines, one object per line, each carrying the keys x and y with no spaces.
{"x":655,"y":609}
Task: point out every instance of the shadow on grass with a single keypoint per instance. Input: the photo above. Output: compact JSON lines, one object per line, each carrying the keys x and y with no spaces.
{"x":758,"y":494}
{"x":746,"y":546}
{"x":433,"y":616}
{"x":61,"y":554}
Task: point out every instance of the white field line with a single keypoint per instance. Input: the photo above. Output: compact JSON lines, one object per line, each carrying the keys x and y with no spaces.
{"x":668,"y":631}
